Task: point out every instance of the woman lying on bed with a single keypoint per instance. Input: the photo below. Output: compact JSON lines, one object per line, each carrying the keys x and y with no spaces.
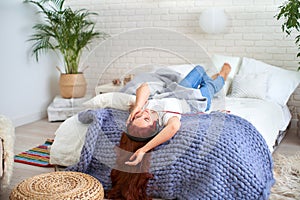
{"x":212,"y":156}
{"x":147,"y":116}
{"x":143,"y":127}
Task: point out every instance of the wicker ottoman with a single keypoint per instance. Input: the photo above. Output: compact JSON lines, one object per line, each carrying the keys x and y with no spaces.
{"x":59,"y":185}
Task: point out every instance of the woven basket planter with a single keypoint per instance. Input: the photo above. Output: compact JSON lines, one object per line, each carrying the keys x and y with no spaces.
{"x":72,"y":85}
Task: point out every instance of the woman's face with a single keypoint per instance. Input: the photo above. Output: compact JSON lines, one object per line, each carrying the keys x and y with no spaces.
{"x":143,"y":118}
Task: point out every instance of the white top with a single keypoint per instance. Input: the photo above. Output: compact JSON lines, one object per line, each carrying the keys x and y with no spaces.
{"x":168,"y":104}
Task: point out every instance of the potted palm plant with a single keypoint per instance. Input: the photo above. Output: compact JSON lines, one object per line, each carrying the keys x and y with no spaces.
{"x":67,"y":32}
{"x":290,"y":13}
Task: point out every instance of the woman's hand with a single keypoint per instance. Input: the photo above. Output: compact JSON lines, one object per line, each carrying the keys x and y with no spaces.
{"x":142,"y":95}
{"x":138,"y":156}
{"x":132,"y":114}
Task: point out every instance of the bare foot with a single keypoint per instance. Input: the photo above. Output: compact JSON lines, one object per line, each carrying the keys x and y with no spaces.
{"x":225,"y":71}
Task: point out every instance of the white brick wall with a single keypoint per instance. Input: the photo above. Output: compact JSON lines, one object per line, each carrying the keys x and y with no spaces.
{"x":252,"y":32}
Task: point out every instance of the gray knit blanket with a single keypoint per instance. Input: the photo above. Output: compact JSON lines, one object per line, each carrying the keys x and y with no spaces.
{"x":212,"y":156}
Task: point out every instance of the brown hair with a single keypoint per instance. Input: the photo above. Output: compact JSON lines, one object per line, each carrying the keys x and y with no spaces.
{"x":129,"y":182}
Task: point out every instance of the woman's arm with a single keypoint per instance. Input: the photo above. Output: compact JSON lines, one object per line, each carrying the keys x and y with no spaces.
{"x":166,"y":134}
{"x":142,"y":95}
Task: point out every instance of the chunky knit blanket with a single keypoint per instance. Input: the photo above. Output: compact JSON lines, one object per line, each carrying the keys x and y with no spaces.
{"x":212,"y":156}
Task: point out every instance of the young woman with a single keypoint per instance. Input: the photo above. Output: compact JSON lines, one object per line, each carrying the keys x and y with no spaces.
{"x":147,"y":116}
{"x":130,"y":177}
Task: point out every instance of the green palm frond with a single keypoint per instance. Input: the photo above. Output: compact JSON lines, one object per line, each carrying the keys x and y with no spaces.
{"x":65,"y":30}
{"x":290,"y":13}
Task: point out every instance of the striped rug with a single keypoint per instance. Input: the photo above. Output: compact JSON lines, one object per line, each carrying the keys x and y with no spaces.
{"x":38,"y":156}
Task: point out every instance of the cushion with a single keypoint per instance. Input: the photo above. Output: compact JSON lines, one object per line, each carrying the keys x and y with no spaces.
{"x":59,"y":185}
{"x":68,"y":143}
{"x":117,"y":100}
{"x":219,"y":60}
{"x":183,"y":69}
{"x":281,"y":82}
{"x":242,"y":89}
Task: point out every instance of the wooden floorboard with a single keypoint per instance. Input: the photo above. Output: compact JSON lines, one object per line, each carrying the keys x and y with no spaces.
{"x":36,"y":133}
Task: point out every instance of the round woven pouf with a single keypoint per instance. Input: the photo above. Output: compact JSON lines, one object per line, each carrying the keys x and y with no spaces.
{"x":58,"y":185}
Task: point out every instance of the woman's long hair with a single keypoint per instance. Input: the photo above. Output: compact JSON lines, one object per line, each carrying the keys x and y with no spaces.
{"x":129,"y":182}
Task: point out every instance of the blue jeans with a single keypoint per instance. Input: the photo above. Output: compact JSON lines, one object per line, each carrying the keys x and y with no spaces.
{"x":197,"y":78}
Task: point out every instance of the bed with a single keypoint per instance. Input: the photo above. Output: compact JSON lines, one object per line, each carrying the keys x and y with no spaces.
{"x":259,"y":104}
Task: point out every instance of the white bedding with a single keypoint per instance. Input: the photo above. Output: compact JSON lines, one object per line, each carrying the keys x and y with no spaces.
{"x":68,"y":142}
{"x":268,"y":117}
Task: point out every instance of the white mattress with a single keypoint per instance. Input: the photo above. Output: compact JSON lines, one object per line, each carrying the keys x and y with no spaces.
{"x":268,"y":117}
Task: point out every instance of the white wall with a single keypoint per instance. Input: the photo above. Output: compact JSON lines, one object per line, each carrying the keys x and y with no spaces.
{"x":26,"y":87}
{"x":253,"y":30}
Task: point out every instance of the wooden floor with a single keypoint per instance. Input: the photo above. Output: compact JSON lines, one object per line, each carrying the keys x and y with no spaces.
{"x":36,"y":133}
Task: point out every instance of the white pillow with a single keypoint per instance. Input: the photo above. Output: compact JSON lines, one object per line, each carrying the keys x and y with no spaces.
{"x":183,"y":69}
{"x":250,"y":86}
{"x":117,"y":100}
{"x":68,"y":142}
{"x":281,"y":82}
{"x":219,"y":60}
